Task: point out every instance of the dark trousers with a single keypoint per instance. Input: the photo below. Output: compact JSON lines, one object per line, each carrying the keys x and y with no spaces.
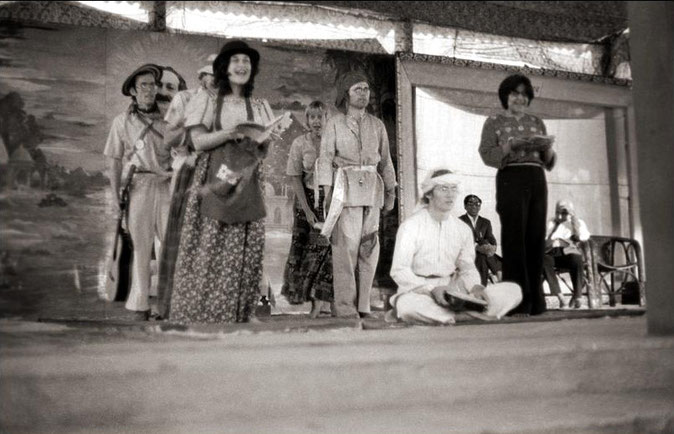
{"x":522,"y":202}
{"x":484,"y":264}
{"x":573,"y":263}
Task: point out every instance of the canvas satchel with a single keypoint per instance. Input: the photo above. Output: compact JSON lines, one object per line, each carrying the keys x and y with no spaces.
{"x":234,"y":193}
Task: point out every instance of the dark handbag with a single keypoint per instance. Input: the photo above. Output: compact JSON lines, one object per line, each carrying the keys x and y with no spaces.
{"x":233,"y":192}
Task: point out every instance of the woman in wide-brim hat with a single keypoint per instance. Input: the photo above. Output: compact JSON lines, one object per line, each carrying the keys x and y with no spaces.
{"x":219,"y":265}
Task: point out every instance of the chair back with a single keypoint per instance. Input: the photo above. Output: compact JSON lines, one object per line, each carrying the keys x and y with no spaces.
{"x":616,"y":262}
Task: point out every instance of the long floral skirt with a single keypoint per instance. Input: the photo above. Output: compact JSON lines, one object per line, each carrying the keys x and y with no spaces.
{"x":308,"y":271}
{"x":219,"y":265}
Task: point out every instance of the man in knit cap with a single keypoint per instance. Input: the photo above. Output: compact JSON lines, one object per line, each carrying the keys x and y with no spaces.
{"x":355,"y":169}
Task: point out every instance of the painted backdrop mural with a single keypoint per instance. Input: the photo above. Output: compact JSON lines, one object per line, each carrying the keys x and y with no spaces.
{"x":60,"y":88}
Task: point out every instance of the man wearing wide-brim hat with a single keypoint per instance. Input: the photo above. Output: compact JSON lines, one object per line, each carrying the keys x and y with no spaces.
{"x":136,"y":138}
{"x":355,"y":169}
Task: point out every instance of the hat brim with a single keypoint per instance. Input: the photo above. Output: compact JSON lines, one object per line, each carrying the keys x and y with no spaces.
{"x":148,"y":68}
{"x":223,"y":57}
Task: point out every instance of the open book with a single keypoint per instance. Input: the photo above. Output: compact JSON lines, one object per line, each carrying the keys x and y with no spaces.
{"x":262,"y":132}
{"x":533,"y":143}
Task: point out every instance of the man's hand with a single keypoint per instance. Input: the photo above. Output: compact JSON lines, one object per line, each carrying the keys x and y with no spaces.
{"x":438,"y":294}
{"x":389,"y":202}
{"x":486,"y":249}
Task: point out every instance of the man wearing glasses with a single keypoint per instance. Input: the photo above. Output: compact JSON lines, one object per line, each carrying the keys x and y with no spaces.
{"x":485,"y":242}
{"x":434,"y":263}
{"x":355,"y":170}
{"x":434,"y":260}
{"x":136,"y":139}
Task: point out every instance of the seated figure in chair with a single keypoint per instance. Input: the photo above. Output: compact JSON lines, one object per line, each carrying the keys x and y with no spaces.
{"x":562,"y":250}
{"x":434,"y":262}
{"x":485,"y":243}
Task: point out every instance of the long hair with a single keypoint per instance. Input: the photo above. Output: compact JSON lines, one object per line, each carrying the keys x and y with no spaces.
{"x":221,"y":80}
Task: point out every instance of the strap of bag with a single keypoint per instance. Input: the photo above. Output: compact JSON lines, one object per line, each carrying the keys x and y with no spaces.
{"x":218,"y":111}
{"x":148,"y":125}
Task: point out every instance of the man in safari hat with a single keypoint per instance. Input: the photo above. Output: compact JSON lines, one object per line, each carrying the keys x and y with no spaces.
{"x":136,"y":138}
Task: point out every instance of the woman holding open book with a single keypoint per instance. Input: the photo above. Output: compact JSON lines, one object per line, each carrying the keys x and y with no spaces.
{"x":515,"y":143}
{"x":219,"y":265}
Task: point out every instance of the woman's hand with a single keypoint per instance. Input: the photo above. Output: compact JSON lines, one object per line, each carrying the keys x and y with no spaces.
{"x":311,"y":217}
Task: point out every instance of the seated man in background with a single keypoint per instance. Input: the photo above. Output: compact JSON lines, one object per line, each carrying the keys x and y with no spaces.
{"x":435,"y":255}
{"x":485,"y":242}
{"x":565,"y":231}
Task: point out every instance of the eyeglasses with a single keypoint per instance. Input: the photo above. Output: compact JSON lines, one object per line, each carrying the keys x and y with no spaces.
{"x":361,"y":89}
{"x":473,"y":203}
{"x":446,"y":188}
{"x":147,"y":86}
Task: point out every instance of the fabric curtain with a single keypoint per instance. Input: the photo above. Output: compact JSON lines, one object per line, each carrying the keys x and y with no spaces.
{"x":448,"y":126}
{"x":463,"y":44}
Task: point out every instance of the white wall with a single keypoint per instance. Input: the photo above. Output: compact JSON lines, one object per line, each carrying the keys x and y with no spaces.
{"x":448,"y":125}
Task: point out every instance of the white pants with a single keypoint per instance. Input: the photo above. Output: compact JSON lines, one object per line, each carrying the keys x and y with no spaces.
{"x":148,"y":214}
{"x":355,"y":245}
{"x":413,"y":307}
{"x":416,"y":307}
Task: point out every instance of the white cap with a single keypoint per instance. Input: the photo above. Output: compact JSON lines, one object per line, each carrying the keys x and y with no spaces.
{"x":208,"y":68}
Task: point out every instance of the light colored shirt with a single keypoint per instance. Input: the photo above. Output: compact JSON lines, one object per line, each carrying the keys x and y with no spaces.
{"x":201,"y":111}
{"x":131,"y":141}
{"x":497,"y":130}
{"x":347,"y":141}
{"x":473,"y":220}
{"x":564,"y":231}
{"x":175,"y":118}
{"x":427,"y":249}
{"x":302,"y":159}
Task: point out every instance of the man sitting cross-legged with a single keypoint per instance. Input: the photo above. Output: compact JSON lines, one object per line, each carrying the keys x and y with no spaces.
{"x":435,"y":256}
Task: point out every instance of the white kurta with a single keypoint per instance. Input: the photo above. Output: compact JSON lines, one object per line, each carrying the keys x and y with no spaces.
{"x":429,"y":253}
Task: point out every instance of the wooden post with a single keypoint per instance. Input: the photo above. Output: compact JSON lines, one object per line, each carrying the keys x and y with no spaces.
{"x":158,"y":16}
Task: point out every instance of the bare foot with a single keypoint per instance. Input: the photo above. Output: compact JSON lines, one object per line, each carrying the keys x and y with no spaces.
{"x":315,"y":309}
{"x":562,"y":303}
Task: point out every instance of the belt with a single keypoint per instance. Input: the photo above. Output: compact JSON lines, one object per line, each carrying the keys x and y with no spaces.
{"x":532,"y":164}
{"x":149,"y":172}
